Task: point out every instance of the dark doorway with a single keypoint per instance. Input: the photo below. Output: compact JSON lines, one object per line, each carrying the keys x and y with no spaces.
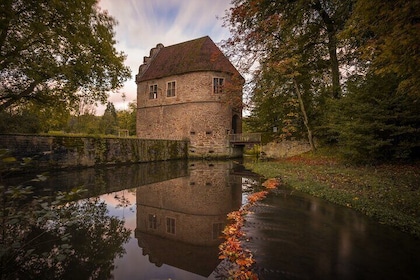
{"x":236,"y":124}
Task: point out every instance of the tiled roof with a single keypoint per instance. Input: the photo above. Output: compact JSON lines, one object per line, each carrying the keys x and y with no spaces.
{"x":200,"y":54}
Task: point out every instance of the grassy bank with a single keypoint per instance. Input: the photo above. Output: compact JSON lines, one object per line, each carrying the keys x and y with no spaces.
{"x":388,"y":193}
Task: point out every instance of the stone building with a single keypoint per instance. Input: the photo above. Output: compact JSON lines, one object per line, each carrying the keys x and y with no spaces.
{"x":190,"y":91}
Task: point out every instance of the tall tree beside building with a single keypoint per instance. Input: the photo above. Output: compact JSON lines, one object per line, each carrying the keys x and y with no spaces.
{"x":352,"y":64}
{"x":296,"y":46}
{"x":379,"y":118}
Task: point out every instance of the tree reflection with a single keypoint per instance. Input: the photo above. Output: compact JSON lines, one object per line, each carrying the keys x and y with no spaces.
{"x":56,"y":237}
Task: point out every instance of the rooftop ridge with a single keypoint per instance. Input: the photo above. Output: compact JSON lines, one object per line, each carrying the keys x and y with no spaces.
{"x":200,"y":54}
{"x":148,"y":59}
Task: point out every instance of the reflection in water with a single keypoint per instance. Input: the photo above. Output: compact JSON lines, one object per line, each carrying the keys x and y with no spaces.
{"x":51,"y":238}
{"x":296,"y":236}
{"x":179,"y":221}
{"x":99,"y":181}
{"x":177,"y":214}
{"x":175,"y":211}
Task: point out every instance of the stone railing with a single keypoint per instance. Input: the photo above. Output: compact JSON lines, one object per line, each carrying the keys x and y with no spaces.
{"x":245,"y":138}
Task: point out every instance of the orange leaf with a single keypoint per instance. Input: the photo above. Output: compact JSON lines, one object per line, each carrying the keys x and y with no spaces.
{"x":271,"y":183}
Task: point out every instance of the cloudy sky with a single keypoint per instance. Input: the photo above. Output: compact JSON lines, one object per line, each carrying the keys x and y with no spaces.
{"x":144,"y":23}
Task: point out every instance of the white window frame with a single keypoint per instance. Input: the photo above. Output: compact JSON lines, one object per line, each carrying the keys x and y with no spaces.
{"x":153,"y":89}
{"x":171,"y":89}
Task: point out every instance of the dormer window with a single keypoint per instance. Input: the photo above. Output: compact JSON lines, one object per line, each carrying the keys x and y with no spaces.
{"x":218,"y":85}
{"x":153,"y":92}
{"x":170,"y":89}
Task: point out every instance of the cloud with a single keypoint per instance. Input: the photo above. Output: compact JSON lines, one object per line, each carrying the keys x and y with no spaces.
{"x":143,"y":24}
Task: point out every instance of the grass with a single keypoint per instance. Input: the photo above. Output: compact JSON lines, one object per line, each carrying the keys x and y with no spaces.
{"x":389,"y":193}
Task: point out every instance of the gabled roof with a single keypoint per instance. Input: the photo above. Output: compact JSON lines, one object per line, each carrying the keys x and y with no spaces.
{"x":200,"y":54}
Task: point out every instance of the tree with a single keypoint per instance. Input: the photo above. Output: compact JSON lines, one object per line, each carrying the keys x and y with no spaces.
{"x":50,"y":50}
{"x":19,"y":121}
{"x":35,"y":118}
{"x":275,"y":108}
{"x":45,"y":235}
{"x":377,"y":119}
{"x":296,"y":46}
{"x":109,"y":122}
{"x":85,"y":124}
{"x":351,"y":66}
{"x":278,"y":30}
{"x":127,"y":118}
{"x":385,"y":37}
{"x":51,"y":237}
{"x":374,"y":122}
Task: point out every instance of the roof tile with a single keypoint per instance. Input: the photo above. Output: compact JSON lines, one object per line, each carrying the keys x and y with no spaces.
{"x":200,"y":54}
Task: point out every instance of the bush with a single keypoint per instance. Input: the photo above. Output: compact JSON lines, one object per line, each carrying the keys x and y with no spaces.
{"x":374,"y":122}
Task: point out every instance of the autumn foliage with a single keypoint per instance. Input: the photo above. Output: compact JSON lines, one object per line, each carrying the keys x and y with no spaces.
{"x":241,"y":260}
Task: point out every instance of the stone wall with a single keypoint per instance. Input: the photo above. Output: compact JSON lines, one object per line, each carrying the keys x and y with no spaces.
{"x":57,"y":152}
{"x":195,"y":113}
{"x":285,"y":149}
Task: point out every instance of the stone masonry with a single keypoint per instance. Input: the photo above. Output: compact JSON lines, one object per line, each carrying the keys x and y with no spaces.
{"x":195,"y":113}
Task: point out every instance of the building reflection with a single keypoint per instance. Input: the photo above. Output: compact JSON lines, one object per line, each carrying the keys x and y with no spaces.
{"x":179,"y":221}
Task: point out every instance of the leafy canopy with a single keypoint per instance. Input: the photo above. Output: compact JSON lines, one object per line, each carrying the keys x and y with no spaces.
{"x":296,"y":46}
{"x":53,"y":51}
{"x":351,"y":65}
{"x":386,"y":36}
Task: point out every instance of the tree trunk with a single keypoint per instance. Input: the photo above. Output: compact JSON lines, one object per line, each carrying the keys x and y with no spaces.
{"x":305,"y":116}
{"x":332,"y":48}
{"x":7,"y":101}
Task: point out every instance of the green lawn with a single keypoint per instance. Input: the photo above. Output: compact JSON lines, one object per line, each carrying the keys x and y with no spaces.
{"x":388,"y":193}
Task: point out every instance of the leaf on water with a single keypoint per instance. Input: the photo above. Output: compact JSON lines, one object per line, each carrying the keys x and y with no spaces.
{"x":13,"y":221}
{"x":9,"y":159}
{"x":66,"y":246}
{"x":26,"y":160}
{"x":39,"y":178}
{"x":61,"y":257}
{"x":45,"y":205}
{"x":42,"y":177}
{"x":29,"y":252}
{"x":271,"y":183}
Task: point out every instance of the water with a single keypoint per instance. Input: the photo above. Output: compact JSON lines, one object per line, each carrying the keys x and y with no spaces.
{"x":297,"y":236}
{"x":163,"y":221}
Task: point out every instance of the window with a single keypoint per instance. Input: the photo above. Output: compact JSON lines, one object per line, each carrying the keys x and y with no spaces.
{"x":170,"y":89}
{"x":153,"y":92}
{"x":152,"y":221}
{"x":170,"y":225}
{"x":218,"y":85}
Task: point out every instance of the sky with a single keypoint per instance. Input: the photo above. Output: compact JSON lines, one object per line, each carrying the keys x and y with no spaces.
{"x":142,"y":24}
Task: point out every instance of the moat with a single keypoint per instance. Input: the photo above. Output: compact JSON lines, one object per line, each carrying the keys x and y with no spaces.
{"x":169,"y":216}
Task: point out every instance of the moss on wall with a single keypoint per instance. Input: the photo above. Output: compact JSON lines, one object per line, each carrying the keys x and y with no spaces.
{"x":56,"y":152}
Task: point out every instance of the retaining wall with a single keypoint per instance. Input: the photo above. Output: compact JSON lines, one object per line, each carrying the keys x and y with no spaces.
{"x":58,"y":152}
{"x":285,"y":149}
